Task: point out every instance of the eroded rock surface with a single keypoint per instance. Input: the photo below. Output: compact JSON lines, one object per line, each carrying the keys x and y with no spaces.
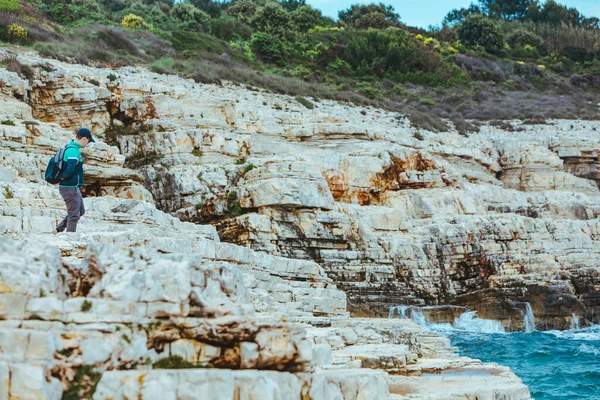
{"x":233,"y":230}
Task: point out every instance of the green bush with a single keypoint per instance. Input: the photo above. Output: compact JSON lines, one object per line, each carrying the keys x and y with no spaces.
{"x":269,"y":48}
{"x":243,"y":11}
{"x":83,"y":12}
{"x":132,"y":21}
{"x":228,"y":28}
{"x":478,"y":30}
{"x":305,"y":102}
{"x":9,"y":5}
{"x":186,"y":12}
{"x":305,"y":17}
{"x":190,"y":40}
{"x":522,"y":37}
{"x":340,"y":68}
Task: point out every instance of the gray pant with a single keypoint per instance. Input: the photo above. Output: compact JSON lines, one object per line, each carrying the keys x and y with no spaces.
{"x":75,"y":208}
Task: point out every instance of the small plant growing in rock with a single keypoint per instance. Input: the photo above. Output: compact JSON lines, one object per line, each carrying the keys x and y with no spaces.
{"x":306,"y":103}
{"x":197,"y":151}
{"x":8,"y":122}
{"x":94,"y":82}
{"x":240,"y":161}
{"x":8,"y":193}
{"x":249,"y":167}
{"x":83,"y":385}
{"x":175,"y":362}
{"x":86,"y":306}
{"x":126,"y":338}
{"x":112,"y":77}
{"x":233,"y":205}
{"x":199,"y":205}
{"x":418,"y":135}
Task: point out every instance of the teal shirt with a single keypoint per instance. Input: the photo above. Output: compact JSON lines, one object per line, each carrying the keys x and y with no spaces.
{"x":72,"y":175}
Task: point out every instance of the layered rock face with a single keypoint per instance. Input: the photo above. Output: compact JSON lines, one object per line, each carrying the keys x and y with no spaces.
{"x":312,"y":202}
{"x":492,"y":221}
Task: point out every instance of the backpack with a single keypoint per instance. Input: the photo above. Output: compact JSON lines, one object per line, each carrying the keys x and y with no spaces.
{"x":55,"y":167}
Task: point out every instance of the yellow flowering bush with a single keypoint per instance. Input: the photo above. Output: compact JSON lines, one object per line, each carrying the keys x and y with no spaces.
{"x":133,"y":21}
{"x":17,"y":32}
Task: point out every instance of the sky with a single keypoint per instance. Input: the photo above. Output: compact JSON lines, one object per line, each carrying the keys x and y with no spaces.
{"x":423,"y":13}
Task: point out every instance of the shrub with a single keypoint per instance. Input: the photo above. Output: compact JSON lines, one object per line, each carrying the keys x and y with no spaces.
{"x":194,"y":41}
{"x":186,"y":12}
{"x":229,"y":28}
{"x":132,"y":21}
{"x":233,"y":205}
{"x":7,"y":122}
{"x":14,"y":65}
{"x":9,"y":5}
{"x":478,"y":30}
{"x":305,"y":102}
{"x":340,"y":68}
{"x":78,"y":13}
{"x":17,"y":33}
{"x":117,"y":40}
{"x":522,"y":38}
{"x":269,"y":48}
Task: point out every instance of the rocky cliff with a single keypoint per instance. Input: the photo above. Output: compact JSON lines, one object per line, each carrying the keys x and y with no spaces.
{"x":234,"y":230}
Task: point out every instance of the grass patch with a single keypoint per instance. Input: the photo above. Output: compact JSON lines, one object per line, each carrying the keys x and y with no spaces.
{"x":249,"y":167}
{"x":8,"y":122}
{"x":8,"y":193}
{"x":199,"y":205}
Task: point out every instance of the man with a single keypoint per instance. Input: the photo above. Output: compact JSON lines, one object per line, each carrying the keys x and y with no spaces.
{"x":72,"y":180}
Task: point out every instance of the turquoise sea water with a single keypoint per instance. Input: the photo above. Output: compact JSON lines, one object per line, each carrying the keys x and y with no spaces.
{"x":561,"y":365}
{"x":555,"y":365}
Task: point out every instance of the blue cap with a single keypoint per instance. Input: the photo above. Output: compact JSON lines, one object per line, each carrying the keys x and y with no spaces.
{"x":84,"y":132}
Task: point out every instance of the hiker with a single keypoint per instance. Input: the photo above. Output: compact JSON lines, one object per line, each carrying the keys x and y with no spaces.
{"x":71,"y":180}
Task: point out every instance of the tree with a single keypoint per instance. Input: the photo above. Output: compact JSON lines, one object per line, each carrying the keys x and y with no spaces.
{"x":271,"y":19}
{"x":457,"y":16}
{"x":556,"y":14}
{"x":306,"y":17}
{"x":292,"y":5}
{"x":243,"y":11}
{"x":211,"y":7}
{"x":507,"y":9}
{"x":479,"y":30}
{"x":370,"y":16}
{"x":187,"y":12}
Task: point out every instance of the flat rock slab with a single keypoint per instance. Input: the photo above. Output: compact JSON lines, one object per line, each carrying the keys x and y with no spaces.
{"x":471,"y":384}
{"x":242,"y":385}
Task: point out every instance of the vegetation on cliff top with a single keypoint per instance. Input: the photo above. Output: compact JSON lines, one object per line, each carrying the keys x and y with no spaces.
{"x":496,"y":59}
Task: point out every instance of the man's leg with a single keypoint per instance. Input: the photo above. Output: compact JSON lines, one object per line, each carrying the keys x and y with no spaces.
{"x":62,"y":225}
{"x":73,"y":200}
